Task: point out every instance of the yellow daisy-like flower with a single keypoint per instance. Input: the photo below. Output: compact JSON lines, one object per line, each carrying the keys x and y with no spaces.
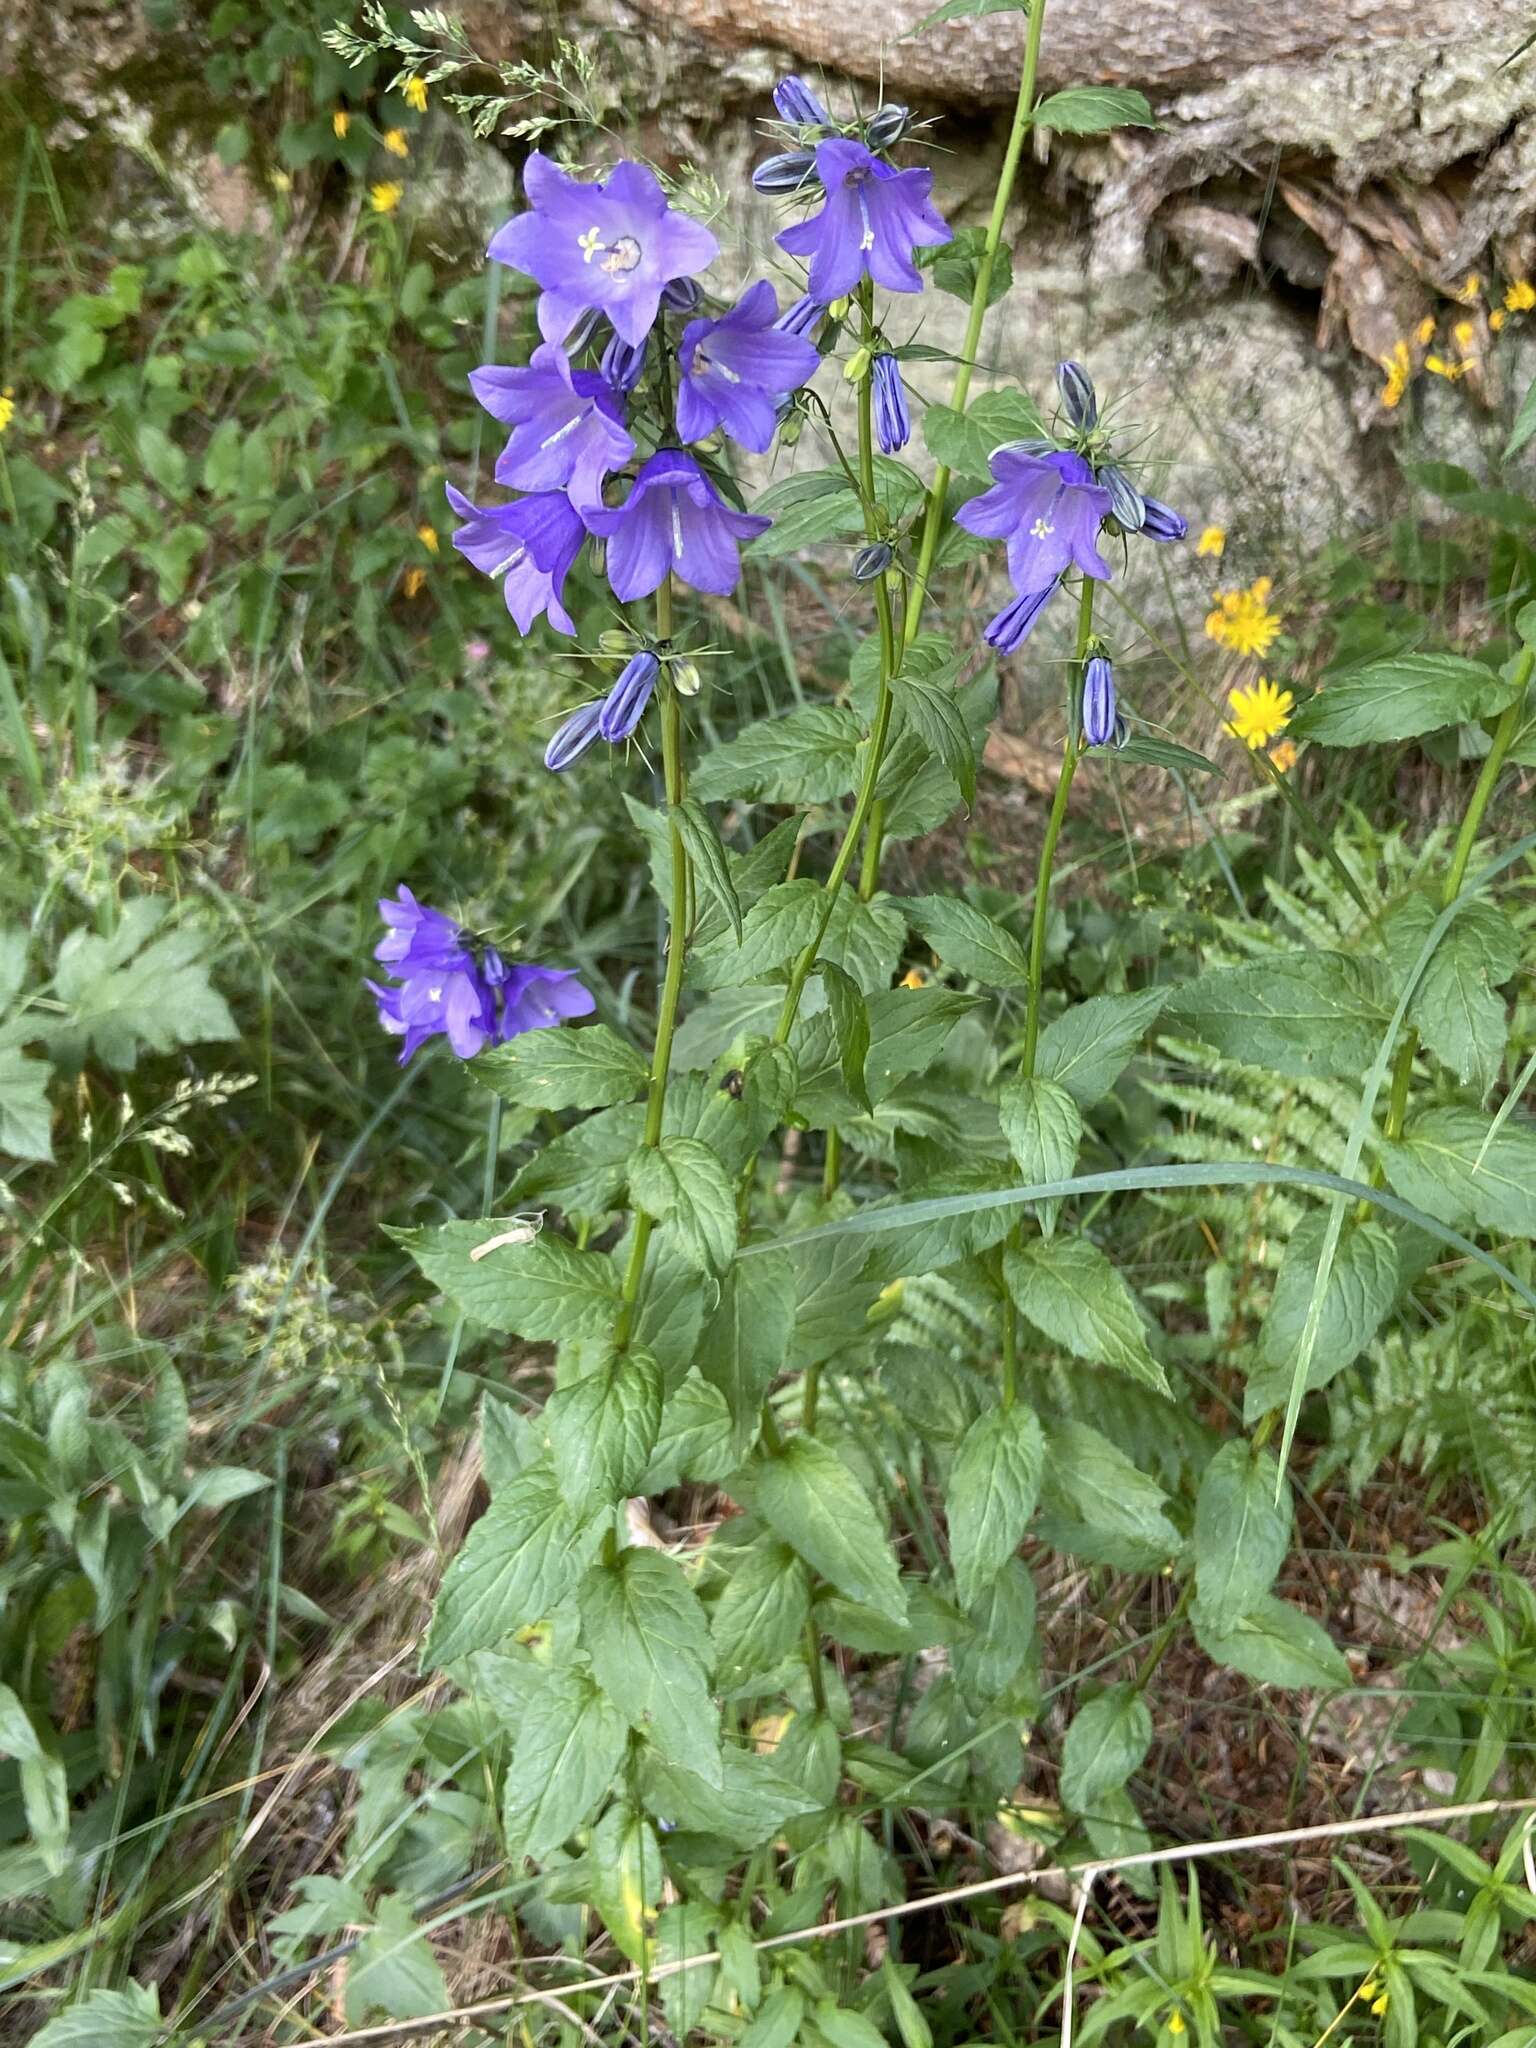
{"x":1497,"y":318}
{"x":1470,"y":289}
{"x":7,"y":407}
{"x":1399,"y":368}
{"x":341,"y":121}
{"x":427,"y":535}
{"x":1260,"y":714}
{"x":415,"y":91}
{"x":386,"y":197}
{"x":1242,"y":619}
{"x":1212,"y":541}
{"x":1424,"y":333}
{"x":1520,"y":297}
{"x":413,"y":582}
{"x":1283,"y":755}
{"x":397,"y":142}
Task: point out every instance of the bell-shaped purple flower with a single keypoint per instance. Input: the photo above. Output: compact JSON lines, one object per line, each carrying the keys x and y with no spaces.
{"x":1078,"y":396}
{"x":733,"y":371}
{"x":530,"y":544}
{"x":572,"y":739}
{"x":893,"y":423}
{"x":567,"y":425}
{"x":1048,"y":508}
{"x":674,"y":519}
{"x":615,"y":244}
{"x":623,"y":364}
{"x":875,"y":216}
{"x":1162,"y":522}
{"x":458,"y":1005}
{"x":1012,"y":626}
{"x":797,"y":103}
{"x":533,"y":998}
{"x":624,"y":706}
{"x":417,"y":939}
{"x":1099,"y":708}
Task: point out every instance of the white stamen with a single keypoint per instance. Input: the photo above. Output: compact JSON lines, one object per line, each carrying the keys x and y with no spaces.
{"x":571,"y":424}
{"x":1040,"y":529}
{"x":868,"y":241}
{"x":589,"y":243}
{"x":516,"y":556}
{"x":677,"y":528}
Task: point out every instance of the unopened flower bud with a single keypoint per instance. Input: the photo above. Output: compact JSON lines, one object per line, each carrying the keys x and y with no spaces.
{"x":614,"y":640}
{"x":893,"y":423}
{"x":839,"y":307}
{"x":682,"y":295}
{"x":624,"y":706}
{"x":888,"y":126}
{"x":871,"y":561}
{"x":1162,"y":522}
{"x":623,"y":363}
{"x":685,"y":677}
{"x":856,"y":369}
{"x":792,"y":170}
{"x":796,"y":102}
{"x":1099,"y":707}
{"x":1125,"y":501}
{"x":802,"y":318}
{"x":1078,"y":396}
{"x":574,"y":737}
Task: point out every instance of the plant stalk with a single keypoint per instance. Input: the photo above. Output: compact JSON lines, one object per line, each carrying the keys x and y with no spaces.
{"x":1042,"y":910}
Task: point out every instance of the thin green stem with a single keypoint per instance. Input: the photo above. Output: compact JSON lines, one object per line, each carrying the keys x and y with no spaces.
{"x":672,"y":982}
{"x":487,"y":1197}
{"x":1042,"y":909}
{"x":1165,"y":1636}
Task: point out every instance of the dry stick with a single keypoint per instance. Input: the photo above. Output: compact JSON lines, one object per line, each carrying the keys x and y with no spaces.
{"x":1182,"y":1852}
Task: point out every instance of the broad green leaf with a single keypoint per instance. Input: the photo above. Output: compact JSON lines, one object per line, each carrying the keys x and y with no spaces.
{"x":807,"y":1496}
{"x":994,"y":1483}
{"x":1107,"y":1741}
{"x":649,"y":1642}
{"x":833,"y":1298}
{"x":1093,"y":109}
{"x":760,"y":1615}
{"x":1448,"y":1165}
{"x":541,"y":1287}
{"x":625,"y":1874}
{"x":1399,"y":698}
{"x":1001,"y":1640}
{"x":748,"y":1807}
{"x":584,"y":1171}
{"x":805,"y":756}
{"x":685,"y":1930}
{"x":673,"y":1305}
{"x":1096,"y":1504}
{"x":563,"y":1068}
{"x":1299,"y":1014}
{"x":698,"y":1438}
{"x":1362,"y":1286}
{"x":710,"y":866}
{"x":518,"y":1563}
{"x":745,"y":1343}
{"x":44,"y":1794}
{"x":966,"y":441}
{"x":1044,"y":1127}
{"x":1150,"y":750}
{"x":683,"y":1185}
{"x":908,"y":1030}
{"x":106,"y":2019}
{"x":570,"y":1743}
{"x":844,"y":2028}
{"x":393,"y":1970}
{"x":1115,"y":1828}
{"x":1241,"y":1533}
{"x":1456,"y":1008}
{"x":1072,"y":1294}
{"x":603,"y":1429}
{"x":806,"y":509}
{"x":1087,"y":1047}
{"x":776,"y":930}
{"x":1274,"y":1644}
{"x":968,"y":941}
{"x":865,"y":940}
{"x":776,"y":2024}
{"x":134,"y":992}
{"x":933,"y":712}
{"x":956,"y":266}
{"x":850,"y":1021}
{"x":26,"y":1117}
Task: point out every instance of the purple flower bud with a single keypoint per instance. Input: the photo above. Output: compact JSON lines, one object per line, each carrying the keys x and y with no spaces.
{"x":793,"y":170}
{"x":623,"y":363}
{"x":682,"y":295}
{"x":887,"y":126}
{"x":871,"y":562}
{"x":893,"y":423}
{"x":1077,"y":395}
{"x":1014,"y":623}
{"x":1099,"y":715}
{"x":574,"y":737}
{"x":1162,"y":522}
{"x":624,"y":706}
{"x":581,"y":333}
{"x":796,"y":102}
{"x":802,"y":317}
{"x":1125,"y":502}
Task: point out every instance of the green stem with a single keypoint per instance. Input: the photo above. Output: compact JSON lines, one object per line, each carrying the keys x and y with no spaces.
{"x":1042,"y":910}
{"x":1165,"y":1638}
{"x":672,"y":983}
{"x":487,"y":1197}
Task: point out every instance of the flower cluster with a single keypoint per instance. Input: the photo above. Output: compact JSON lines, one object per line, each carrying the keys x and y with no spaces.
{"x":444,"y":983}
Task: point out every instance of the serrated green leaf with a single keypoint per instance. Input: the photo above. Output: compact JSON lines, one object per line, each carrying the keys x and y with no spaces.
{"x":1456,"y":1007}
{"x":649,"y":1642}
{"x":994,"y":1483}
{"x":806,"y":756}
{"x":603,"y":1429}
{"x":624,"y":1875}
{"x":584,"y":1171}
{"x":129,"y":2018}
{"x":807,"y":1496}
{"x":968,"y":941}
{"x":1093,"y":110}
{"x":1241,"y":1533}
{"x":1150,"y":750}
{"x":1043,"y":1126}
{"x":776,"y":930}
{"x":745,"y":1343}
{"x":748,"y":1807}
{"x":563,"y":1068}
{"x":1098,"y":1505}
{"x":1299,"y":1014}
{"x":1273,"y":1644}
{"x":777,"y":2021}
{"x":761,"y":1614}
{"x":1362,"y":1286}
{"x":956,"y":265}
{"x":908,"y":1031}
{"x":682,"y":1184}
{"x":571,"y":1741}
{"x":965,"y":442}
{"x":1451,"y":1164}
{"x":705,"y":851}
{"x":26,"y":1116}
{"x":1107,"y":1741}
{"x":1399,"y":698}
{"x":698,"y":1438}
{"x":1087,"y":1047}
{"x":850,"y":1021}
{"x":518,"y":1563}
{"x":393,"y":1970}
{"x":933,"y":712}
{"x":132,"y":991}
{"x":541,"y":1288}
{"x":1072,"y":1294}
{"x":28,"y":1737}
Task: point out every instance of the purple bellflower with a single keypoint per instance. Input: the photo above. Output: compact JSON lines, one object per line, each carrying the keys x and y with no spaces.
{"x":734,"y":370}
{"x":567,"y":425}
{"x":675,"y":519}
{"x":893,"y":423}
{"x":875,"y":216}
{"x":1048,"y":508}
{"x":624,"y":706}
{"x":533,"y":998}
{"x":614,"y":244}
{"x":797,"y":103}
{"x":530,"y":544}
{"x":1099,"y":711}
{"x":417,"y":939}
{"x":572,"y":739}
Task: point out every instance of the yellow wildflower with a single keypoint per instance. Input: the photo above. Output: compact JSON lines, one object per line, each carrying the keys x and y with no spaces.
{"x":1497,"y":318}
{"x":427,"y":535}
{"x":415,"y":90}
{"x":1464,"y":334}
{"x":280,"y":181}
{"x":413,"y":581}
{"x":1424,"y":333}
{"x":1520,"y":297}
{"x":1399,"y":368}
{"x":341,"y":121}
{"x":7,"y":407}
{"x":1283,"y":755}
{"x":1211,"y":541}
{"x":913,"y":978}
{"x":1259,"y":714}
{"x":396,"y":143}
{"x":1444,"y":366}
{"x":1242,"y":619}
{"x":1470,"y":289}
{"x":1379,"y":2004}
{"x":385,"y":198}
{"x":1176,"y":2023}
